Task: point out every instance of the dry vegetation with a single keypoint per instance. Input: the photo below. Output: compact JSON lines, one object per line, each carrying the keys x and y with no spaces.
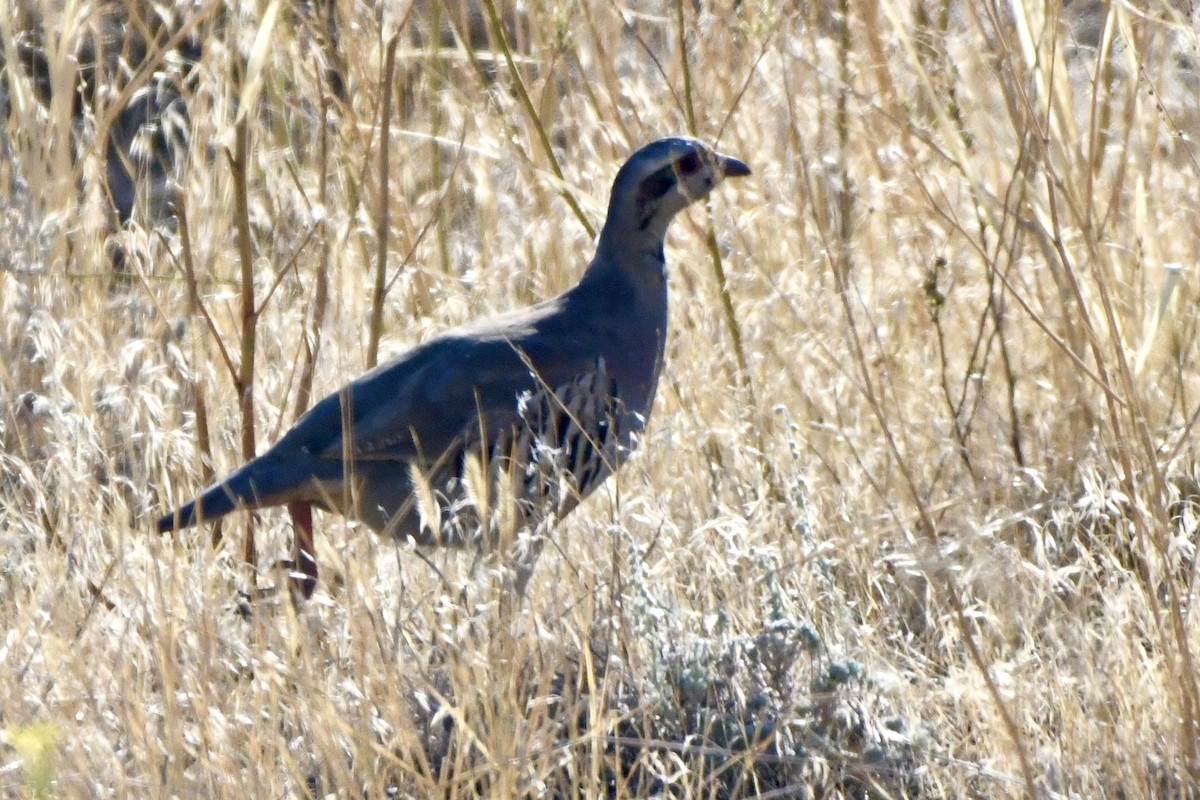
{"x":918,"y":512}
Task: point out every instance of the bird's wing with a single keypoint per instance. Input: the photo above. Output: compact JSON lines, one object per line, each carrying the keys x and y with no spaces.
{"x":436,"y":396}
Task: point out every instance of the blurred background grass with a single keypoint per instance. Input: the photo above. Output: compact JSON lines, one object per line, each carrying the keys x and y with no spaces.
{"x":931,"y":535}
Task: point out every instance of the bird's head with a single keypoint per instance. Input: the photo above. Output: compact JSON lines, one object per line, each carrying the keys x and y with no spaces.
{"x":659,"y":181}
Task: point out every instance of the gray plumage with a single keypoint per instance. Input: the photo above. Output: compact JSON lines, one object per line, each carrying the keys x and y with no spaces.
{"x":545,"y":402}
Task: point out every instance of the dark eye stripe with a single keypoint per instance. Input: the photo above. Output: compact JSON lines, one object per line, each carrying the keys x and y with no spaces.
{"x":656,"y":184}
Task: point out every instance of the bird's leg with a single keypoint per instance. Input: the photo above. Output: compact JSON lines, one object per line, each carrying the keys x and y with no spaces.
{"x":303,"y":576}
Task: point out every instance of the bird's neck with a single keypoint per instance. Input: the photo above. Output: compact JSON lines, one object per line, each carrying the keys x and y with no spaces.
{"x":626,"y":288}
{"x":637,"y":272}
{"x":629,"y":250}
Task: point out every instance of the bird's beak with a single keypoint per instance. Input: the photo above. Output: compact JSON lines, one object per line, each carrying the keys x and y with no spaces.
{"x":731,"y":167}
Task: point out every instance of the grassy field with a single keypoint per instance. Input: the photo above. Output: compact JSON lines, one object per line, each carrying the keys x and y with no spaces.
{"x":917,"y":510}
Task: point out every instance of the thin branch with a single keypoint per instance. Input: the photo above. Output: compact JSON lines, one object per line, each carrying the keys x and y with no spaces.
{"x":382,"y":220}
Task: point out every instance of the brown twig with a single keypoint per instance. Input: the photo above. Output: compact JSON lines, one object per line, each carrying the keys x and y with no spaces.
{"x":245,"y":377}
{"x":312,"y":342}
{"x":382,"y":221}
{"x":196,"y":306}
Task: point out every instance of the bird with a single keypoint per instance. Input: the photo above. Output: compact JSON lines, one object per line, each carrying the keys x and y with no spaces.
{"x":495,"y":430}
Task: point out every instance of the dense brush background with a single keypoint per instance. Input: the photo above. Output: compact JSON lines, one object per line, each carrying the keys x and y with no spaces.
{"x":917,"y":511}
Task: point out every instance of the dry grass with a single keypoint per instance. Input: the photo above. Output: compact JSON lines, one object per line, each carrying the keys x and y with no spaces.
{"x":933,"y":535}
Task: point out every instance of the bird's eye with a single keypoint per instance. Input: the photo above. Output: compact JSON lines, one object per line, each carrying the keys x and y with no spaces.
{"x":689,"y":164}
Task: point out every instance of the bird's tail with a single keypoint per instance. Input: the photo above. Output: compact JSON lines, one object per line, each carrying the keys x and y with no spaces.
{"x":256,"y":485}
